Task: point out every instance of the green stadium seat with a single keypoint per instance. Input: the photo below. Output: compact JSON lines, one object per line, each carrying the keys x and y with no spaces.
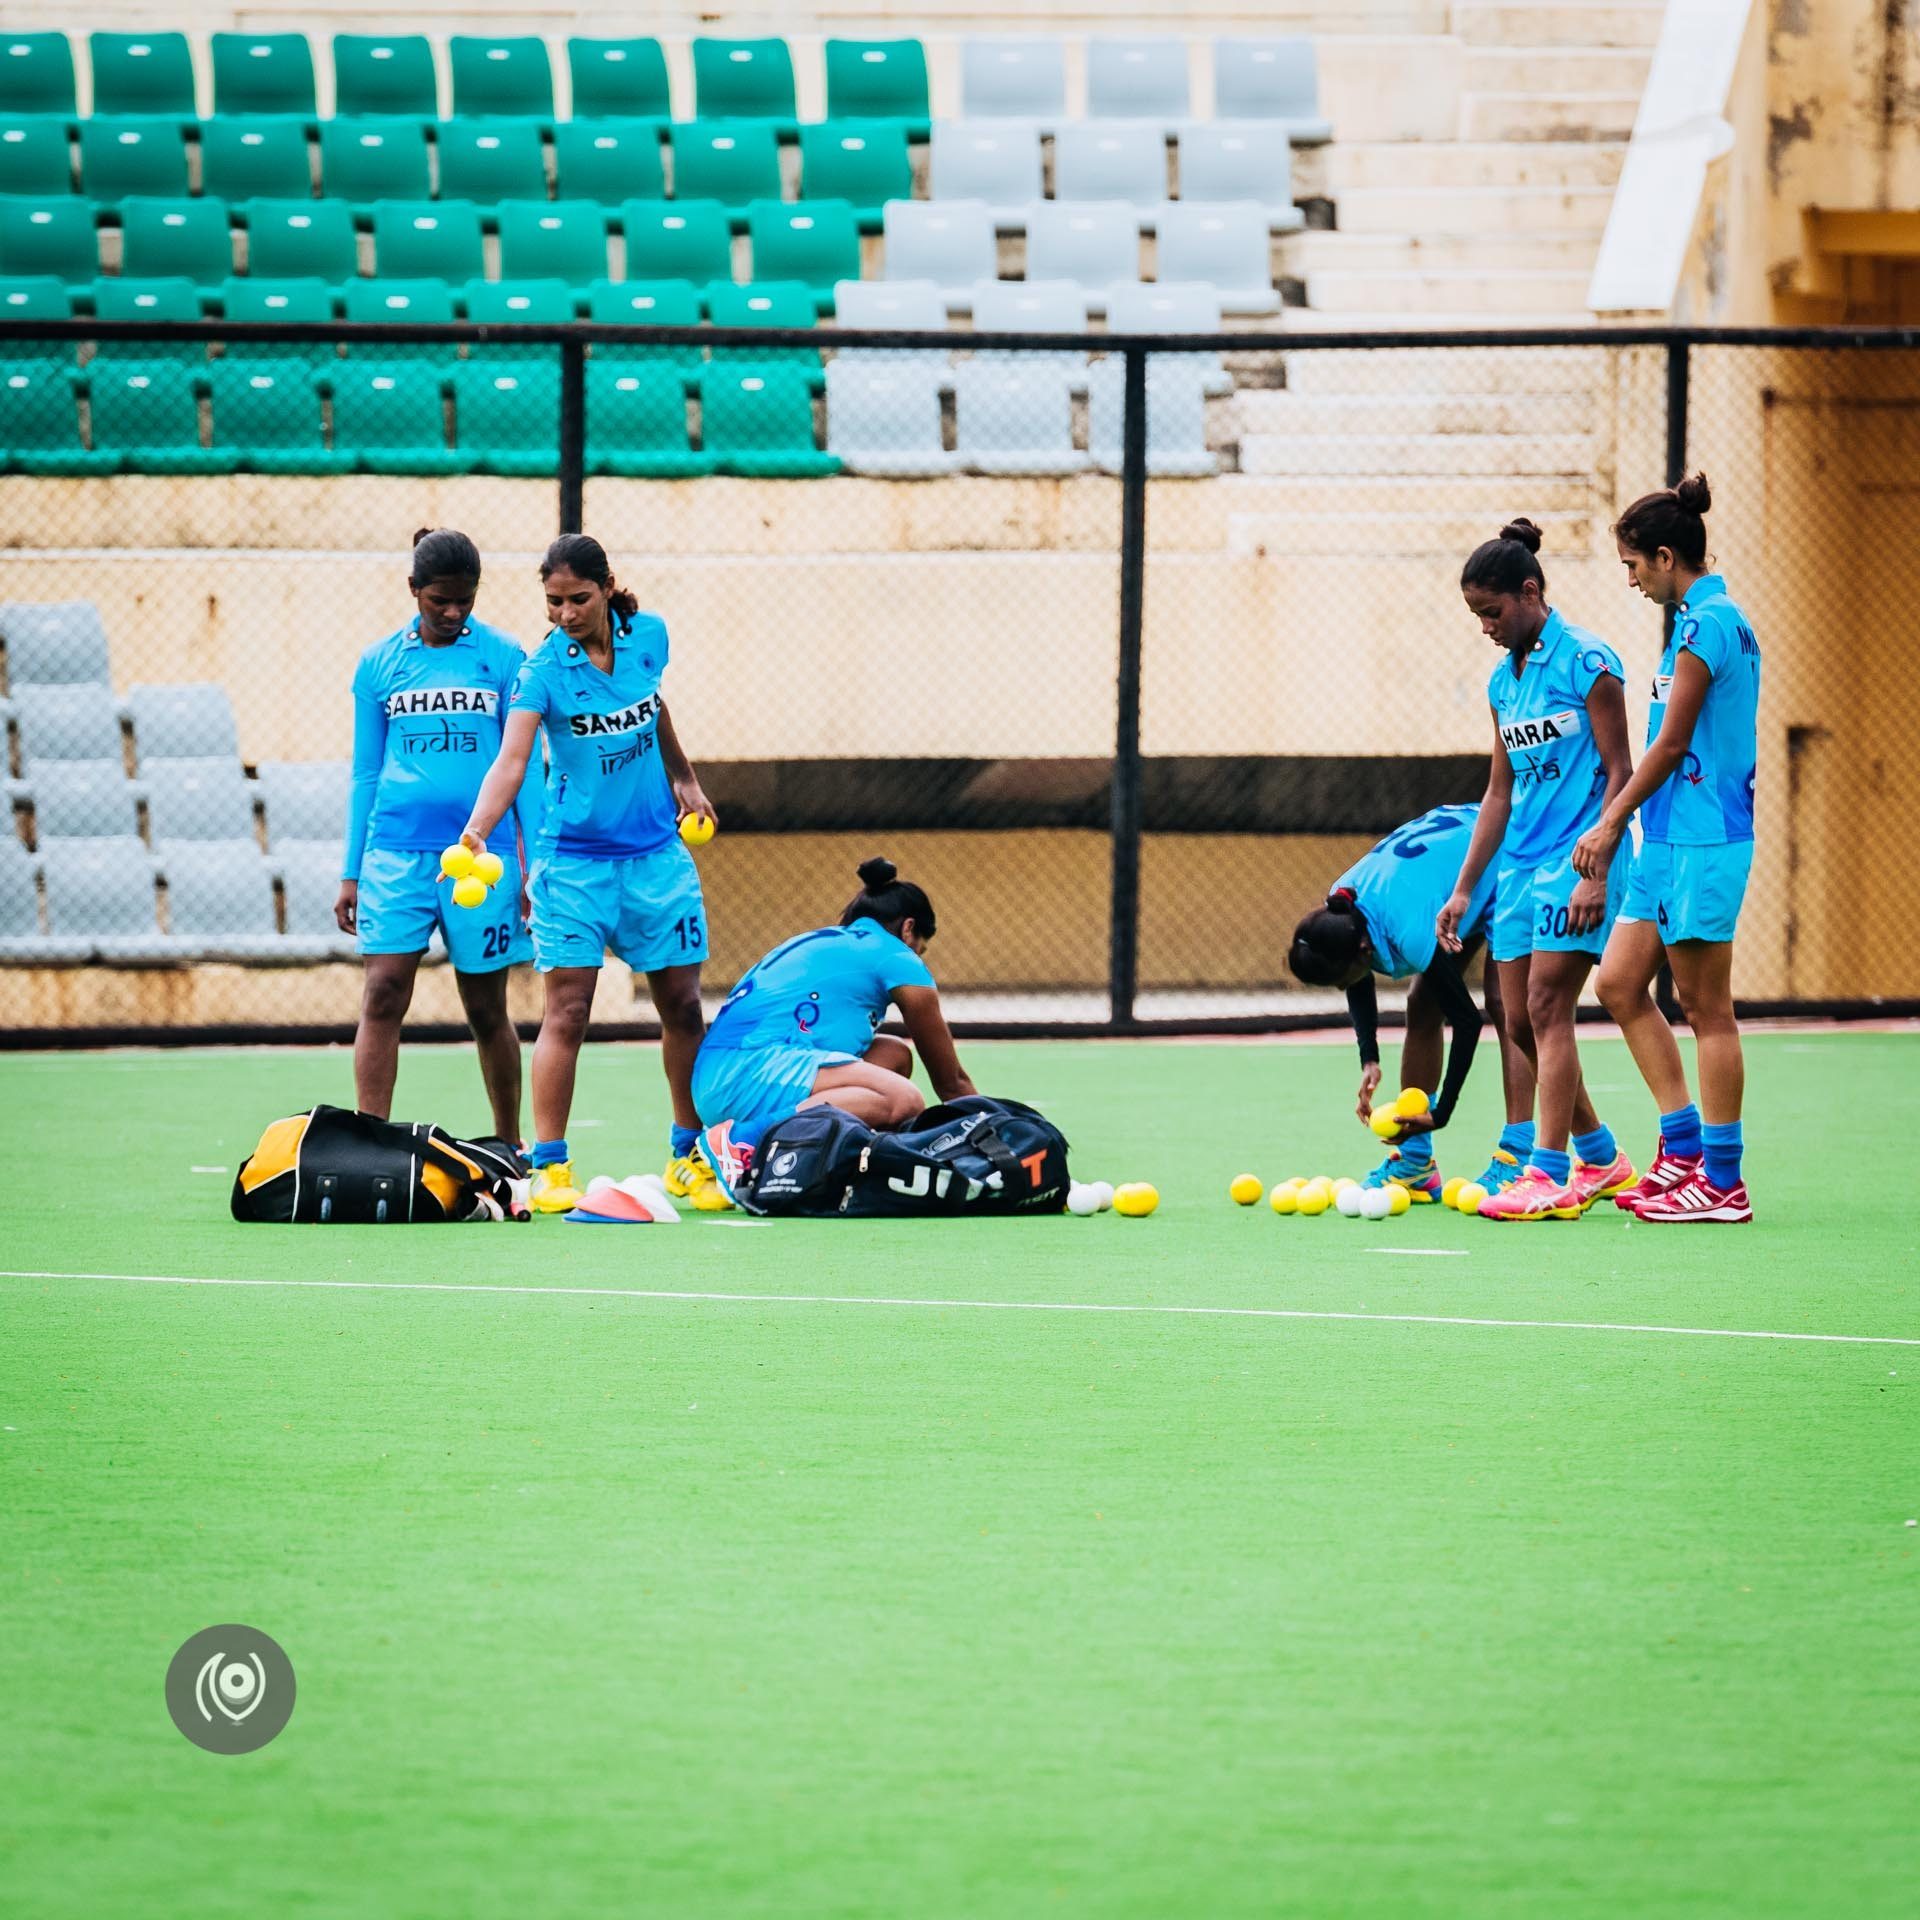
{"x":148,"y":413}
{"x":432,"y":240}
{"x":427,"y":302}
{"x":37,"y":297}
{"x":619,"y":79}
{"x":170,"y":300}
{"x":675,"y":240}
{"x":255,"y":159}
{"x":374,"y":158}
{"x":489,"y":160}
{"x":864,"y":162}
{"x":390,"y":415}
{"x":743,"y":80}
{"x":163,"y":238}
{"x":122,"y":154}
{"x":36,"y":74}
{"x":385,"y":73}
{"x":608,"y":161}
{"x":758,"y":421}
{"x":301,"y":240}
{"x":40,"y":423}
{"x":817,"y":241}
{"x":267,"y":412}
{"x":293,"y":300}
{"x":36,"y":155}
{"x":507,"y":416}
{"x":263,"y":73}
{"x":142,"y":73}
{"x":518,"y":303}
{"x":879,"y":80}
{"x":501,"y":77}
{"x":647,"y":303}
{"x":733,"y":161}
{"x":637,"y":421}
{"x":48,"y":234}
{"x":764,"y":303}
{"x":553,"y":240}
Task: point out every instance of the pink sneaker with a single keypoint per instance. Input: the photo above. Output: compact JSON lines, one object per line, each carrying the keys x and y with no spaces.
{"x":1588,"y":1184}
{"x":1699,"y":1199}
{"x":1532,"y":1197}
{"x":1668,"y":1171}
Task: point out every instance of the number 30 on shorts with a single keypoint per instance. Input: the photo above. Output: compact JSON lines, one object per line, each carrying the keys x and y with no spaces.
{"x":1553,"y":923}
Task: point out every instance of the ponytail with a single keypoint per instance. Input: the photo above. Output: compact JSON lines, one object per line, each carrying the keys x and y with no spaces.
{"x":1674,"y":518}
{"x":888,"y":900}
{"x":1327,"y":943}
{"x":583,"y":556}
{"x":439,"y":553}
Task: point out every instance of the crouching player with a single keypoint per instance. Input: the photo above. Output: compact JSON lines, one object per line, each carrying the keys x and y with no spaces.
{"x":801,"y":1029}
{"x":1379,"y":918}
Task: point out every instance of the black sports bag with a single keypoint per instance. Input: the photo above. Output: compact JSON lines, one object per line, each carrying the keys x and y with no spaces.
{"x":335,"y":1167}
{"x":971,"y":1156}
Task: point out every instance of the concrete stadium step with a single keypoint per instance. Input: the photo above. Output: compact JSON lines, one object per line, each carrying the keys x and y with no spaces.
{"x":1419,"y":249}
{"x":1441,"y":455}
{"x":1445,"y":531}
{"x":1280,"y":411}
{"x":1511,"y":298}
{"x":1548,"y":116}
{"x":1403,"y":165}
{"x":1432,"y":372}
{"x":1559,"y":23}
{"x":1539,"y":211}
{"x":1435,"y":320}
{"x":1565,"y":69}
{"x":1488,"y":498}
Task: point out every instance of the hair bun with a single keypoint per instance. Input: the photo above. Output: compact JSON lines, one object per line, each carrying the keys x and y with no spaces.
{"x":1524,"y":533}
{"x":419,"y":534}
{"x":1693,"y":493}
{"x":877,"y":873}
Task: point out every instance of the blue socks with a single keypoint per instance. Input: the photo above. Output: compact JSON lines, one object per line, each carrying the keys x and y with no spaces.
{"x":681,"y":1141}
{"x":1722,"y":1146}
{"x":1416,"y":1150}
{"x":1516,"y":1138}
{"x":548,"y":1153}
{"x":1598,"y":1148}
{"x":1558,"y":1167}
{"x":1680,"y":1132}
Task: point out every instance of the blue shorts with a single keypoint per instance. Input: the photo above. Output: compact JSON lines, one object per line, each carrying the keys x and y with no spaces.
{"x":1530,"y":911}
{"x":647,"y":910}
{"x":756,"y":1087}
{"x":403,"y":896}
{"x":1689,"y":893}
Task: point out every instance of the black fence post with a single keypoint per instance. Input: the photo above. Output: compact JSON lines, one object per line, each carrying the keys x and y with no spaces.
{"x":1679,"y":397}
{"x":573,"y":435}
{"x":1124,"y":962}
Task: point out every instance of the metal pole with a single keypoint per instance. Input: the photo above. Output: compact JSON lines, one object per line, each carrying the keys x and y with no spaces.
{"x":1124,"y":959}
{"x":1679,"y":394}
{"x":573,"y":435}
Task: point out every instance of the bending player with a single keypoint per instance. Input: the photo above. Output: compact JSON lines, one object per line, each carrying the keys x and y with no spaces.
{"x":428,"y":706}
{"x":1560,"y":757}
{"x":802,"y":1028}
{"x":1379,"y":918}
{"x":610,"y":870}
{"x":1694,"y":790}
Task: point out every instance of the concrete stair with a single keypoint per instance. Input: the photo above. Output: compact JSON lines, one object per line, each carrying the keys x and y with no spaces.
{"x":1407,"y":166}
{"x":1548,"y":116}
{"x":1423,"y":415}
{"x":1416,"y":247}
{"x":1446,"y":532}
{"x":1559,"y":23}
{"x":1516,"y":297}
{"x":1574,"y":216}
{"x":1439,"y":456}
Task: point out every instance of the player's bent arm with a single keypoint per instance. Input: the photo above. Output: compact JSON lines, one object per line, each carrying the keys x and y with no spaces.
{"x":501,"y":788}
{"x":933,"y":1041}
{"x":1363,"y":1009}
{"x":1455,"y":1001}
{"x":1593,"y":852}
{"x":688,"y":794}
{"x":1489,"y":829}
{"x":1691,"y":683}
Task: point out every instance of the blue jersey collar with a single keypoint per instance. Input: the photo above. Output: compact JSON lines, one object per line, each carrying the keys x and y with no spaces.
{"x":619,"y":631}
{"x":1709,"y":586}
{"x":410,"y":635}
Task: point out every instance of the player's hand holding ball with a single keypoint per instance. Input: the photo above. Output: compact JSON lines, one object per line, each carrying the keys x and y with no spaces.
{"x":1446,"y":925}
{"x":696,"y":829}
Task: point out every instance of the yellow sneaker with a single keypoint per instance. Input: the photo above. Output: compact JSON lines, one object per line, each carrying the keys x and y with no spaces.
{"x":552,"y":1189}
{"x":690,"y":1178}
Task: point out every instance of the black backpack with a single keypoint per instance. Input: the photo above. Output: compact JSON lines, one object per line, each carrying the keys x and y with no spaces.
{"x":334,"y":1167}
{"x":971,"y":1156}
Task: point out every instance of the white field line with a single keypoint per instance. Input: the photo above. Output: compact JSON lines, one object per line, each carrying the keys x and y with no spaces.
{"x":982,"y":1306}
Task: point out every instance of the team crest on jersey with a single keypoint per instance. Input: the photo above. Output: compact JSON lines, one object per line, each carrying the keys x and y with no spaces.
{"x":443,"y":700}
{"x":1549,"y":730}
{"x":1662,"y":689}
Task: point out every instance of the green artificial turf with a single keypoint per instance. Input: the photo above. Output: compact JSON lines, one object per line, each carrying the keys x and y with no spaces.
{"x":614,"y":1604}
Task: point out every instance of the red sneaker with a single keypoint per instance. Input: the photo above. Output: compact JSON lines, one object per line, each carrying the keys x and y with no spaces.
{"x":1698,"y":1199}
{"x":1588,"y":1184}
{"x":1668,"y":1171}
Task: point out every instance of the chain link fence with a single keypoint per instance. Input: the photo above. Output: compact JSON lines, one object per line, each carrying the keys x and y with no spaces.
{"x":1123,"y":647}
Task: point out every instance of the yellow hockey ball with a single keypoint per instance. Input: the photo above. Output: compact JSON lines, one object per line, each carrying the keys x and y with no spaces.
{"x":469,"y":892}
{"x":1285,"y":1198}
{"x":1412,"y":1104}
{"x":457,"y":861}
{"x":1386,"y":1123}
{"x":488,"y":867}
{"x":696,"y":829}
{"x":1450,"y":1193}
{"x":1136,"y":1200}
{"x":1402,"y":1199}
{"x":1342,"y":1184}
{"x":1314,"y":1199}
{"x":1469,"y":1197}
{"x":1246,"y":1189}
